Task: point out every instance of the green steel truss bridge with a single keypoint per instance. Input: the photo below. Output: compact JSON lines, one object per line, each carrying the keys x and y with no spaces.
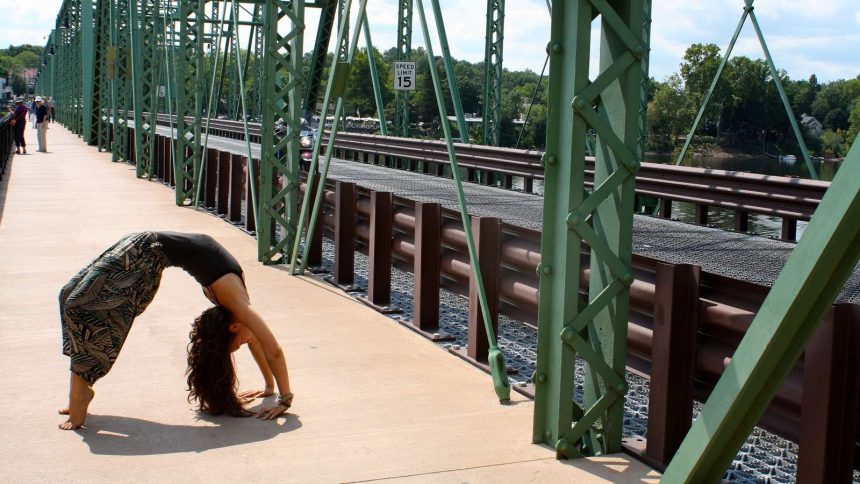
{"x":110,"y":62}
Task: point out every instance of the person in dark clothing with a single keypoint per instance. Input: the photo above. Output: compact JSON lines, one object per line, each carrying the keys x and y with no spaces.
{"x":19,"y":122}
{"x":99,"y":304}
{"x":41,"y":112}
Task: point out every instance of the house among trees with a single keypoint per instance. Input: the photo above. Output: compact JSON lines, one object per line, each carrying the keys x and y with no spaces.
{"x":812,"y":125}
{"x":4,"y":92}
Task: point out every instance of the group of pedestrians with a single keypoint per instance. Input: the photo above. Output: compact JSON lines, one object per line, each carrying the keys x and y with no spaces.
{"x":41,"y":113}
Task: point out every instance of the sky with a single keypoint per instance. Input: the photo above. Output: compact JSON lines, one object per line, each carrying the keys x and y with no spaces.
{"x":803,"y":36}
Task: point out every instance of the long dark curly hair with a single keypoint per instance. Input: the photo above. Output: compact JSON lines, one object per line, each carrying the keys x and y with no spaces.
{"x":211,"y":376}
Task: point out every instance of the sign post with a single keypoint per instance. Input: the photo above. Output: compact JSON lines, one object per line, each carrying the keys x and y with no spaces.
{"x":404,"y":76}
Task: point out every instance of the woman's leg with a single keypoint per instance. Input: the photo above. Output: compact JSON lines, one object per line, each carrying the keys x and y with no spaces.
{"x":80,"y":395}
{"x":19,"y":139}
{"x":97,"y":308}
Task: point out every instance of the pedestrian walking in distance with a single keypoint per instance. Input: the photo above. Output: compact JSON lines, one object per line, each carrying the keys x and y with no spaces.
{"x":99,"y":304}
{"x":19,"y":122}
{"x":41,"y":124}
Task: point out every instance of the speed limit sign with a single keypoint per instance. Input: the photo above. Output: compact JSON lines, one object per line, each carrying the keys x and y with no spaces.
{"x":404,"y":76}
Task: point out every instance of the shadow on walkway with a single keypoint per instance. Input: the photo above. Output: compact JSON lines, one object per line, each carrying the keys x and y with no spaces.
{"x":112,"y":435}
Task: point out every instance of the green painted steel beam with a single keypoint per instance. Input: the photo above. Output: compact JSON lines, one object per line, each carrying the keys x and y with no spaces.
{"x":189,"y":85}
{"x":493,"y":49}
{"x":334,"y":92}
{"x":318,"y":57}
{"x":449,"y":70}
{"x":613,"y":105}
{"x":89,"y":121}
{"x":121,"y":85}
{"x":101,"y":92}
{"x":812,"y":277}
{"x":404,"y":53}
{"x":144,"y":64}
{"x":374,"y":79}
{"x":284,"y":77}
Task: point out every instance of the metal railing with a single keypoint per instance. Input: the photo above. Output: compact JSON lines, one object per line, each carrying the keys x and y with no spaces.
{"x":791,"y":199}
{"x":6,"y":137}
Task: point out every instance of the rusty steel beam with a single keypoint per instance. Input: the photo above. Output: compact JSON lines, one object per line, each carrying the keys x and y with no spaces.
{"x":427,"y":270}
{"x":223,"y":193}
{"x":488,"y":234}
{"x":828,"y":423}
{"x":379,"y":249}
{"x":344,"y":236}
{"x":673,"y":359}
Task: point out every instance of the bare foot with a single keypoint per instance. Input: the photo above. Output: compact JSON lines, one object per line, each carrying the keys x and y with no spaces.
{"x":63,"y":411}
{"x":80,"y":395}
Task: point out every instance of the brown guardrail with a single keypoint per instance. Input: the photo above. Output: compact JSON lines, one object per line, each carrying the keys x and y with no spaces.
{"x":790,"y":199}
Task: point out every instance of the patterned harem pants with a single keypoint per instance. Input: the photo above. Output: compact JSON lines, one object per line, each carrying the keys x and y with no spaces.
{"x":99,"y":304}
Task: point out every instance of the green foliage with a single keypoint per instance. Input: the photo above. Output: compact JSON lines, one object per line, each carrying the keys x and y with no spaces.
{"x":745,"y":110}
{"x":832,"y":105}
{"x":832,"y":142}
{"x":16,"y":58}
{"x":854,"y":124}
{"x":669,"y":115}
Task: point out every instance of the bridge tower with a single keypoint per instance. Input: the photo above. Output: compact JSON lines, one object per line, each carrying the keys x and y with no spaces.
{"x":404,"y":52}
{"x":595,"y":328}
{"x":493,"y":48}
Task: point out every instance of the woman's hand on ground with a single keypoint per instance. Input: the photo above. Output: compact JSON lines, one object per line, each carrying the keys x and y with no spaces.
{"x":271,"y":412}
{"x":266,"y":392}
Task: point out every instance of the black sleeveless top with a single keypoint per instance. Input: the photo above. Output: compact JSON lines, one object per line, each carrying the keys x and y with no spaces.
{"x":199,"y":255}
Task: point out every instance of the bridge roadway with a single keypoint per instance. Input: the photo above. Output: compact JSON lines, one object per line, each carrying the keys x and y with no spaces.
{"x":374,"y":401}
{"x":746,"y":257}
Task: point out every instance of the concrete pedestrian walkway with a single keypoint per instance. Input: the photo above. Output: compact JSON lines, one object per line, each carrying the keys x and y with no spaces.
{"x":373,"y":401}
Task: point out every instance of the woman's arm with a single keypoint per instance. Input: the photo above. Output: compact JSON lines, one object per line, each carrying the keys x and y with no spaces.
{"x":268,"y":378}
{"x":230,"y":292}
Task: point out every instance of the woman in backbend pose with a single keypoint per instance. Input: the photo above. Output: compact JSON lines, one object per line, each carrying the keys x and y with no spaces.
{"x":99,"y":304}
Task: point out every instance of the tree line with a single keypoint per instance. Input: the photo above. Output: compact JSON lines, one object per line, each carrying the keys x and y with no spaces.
{"x":745,"y":112}
{"x":14,"y":60}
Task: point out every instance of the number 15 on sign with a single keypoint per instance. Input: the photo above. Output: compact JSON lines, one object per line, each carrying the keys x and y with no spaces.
{"x":404,"y":76}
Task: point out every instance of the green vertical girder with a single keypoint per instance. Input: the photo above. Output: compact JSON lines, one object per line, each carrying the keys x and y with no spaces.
{"x":101,"y":93}
{"x":404,"y":53}
{"x":279,"y":158}
{"x":190,"y":84}
{"x":121,"y":86}
{"x":374,"y":78}
{"x":145,"y":66}
{"x":343,"y":48}
{"x":614,"y":106}
{"x":493,"y":70}
{"x":76,"y":40}
{"x":335,"y":89}
{"x":812,"y":277}
{"x":89,"y":105}
{"x":462,"y":127}
{"x":318,"y":57}
{"x":64,"y":54}
{"x":257,"y":53}
{"x":749,"y":12}
{"x":70,"y":90}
